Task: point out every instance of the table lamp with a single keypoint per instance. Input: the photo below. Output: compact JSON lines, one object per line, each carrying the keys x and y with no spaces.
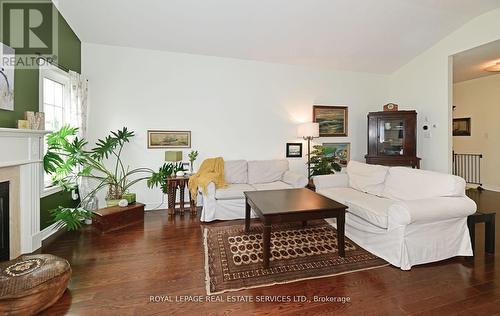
{"x":308,"y":131}
{"x":174,"y":156}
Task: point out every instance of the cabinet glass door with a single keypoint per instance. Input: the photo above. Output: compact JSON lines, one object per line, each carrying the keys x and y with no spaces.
{"x":390,"y":137}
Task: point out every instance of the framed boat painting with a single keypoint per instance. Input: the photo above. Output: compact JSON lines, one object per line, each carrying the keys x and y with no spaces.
{"x":169,"y":139}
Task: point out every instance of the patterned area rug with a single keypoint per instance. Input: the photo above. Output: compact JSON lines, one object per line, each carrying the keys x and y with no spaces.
{"x":233,"y":259}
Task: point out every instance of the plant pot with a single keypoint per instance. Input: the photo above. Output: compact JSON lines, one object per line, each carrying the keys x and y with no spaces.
{"x":111,"y":202}
{"x":88,"y":221}
{"x":130,"y":197}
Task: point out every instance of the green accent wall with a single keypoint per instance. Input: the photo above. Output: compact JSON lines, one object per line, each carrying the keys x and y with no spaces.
{"x":26,"y":80}
{"x":70,"y":47}
{"x":52,"y":202}
{"x":26,"y":99}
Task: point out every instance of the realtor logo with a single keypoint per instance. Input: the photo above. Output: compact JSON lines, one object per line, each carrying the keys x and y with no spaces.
{"x":29,"y":27}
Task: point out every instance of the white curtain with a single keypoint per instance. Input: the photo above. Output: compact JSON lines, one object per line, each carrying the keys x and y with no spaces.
{"x":78,"y":102}
{"x":78,"y":118}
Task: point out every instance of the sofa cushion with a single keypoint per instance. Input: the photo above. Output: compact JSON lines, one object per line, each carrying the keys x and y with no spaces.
{"x":295,"y":179}
{"x":371,"y":208}
{"x":276,"y":185}
{"x":265,"y":171}
{"x":236,"y":171}
{"x":233,"y":191}
{"x":366,"y":178}
{"x":408,"y":184}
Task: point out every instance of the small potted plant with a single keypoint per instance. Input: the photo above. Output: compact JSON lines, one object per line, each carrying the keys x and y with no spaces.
{"x":324,"y":160}
{"x":159,"y":178}
{"x":192,"y":157}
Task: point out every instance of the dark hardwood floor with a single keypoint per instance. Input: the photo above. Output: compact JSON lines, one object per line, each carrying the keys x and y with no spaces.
{"x":116,"y":273}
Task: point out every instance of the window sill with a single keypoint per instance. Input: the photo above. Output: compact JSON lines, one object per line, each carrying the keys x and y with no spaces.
{"x":50,"y":190}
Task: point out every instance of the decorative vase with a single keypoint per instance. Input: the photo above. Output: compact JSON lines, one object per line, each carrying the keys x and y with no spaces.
{"x":91,"y":204}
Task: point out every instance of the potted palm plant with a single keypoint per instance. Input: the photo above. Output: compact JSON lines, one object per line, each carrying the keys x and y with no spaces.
{"x":67,"y":160}
{"x":324,"y":160}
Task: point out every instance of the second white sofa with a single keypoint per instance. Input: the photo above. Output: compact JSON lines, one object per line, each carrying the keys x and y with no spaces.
{"x":241,"y":175}
{"x":405,"y":216}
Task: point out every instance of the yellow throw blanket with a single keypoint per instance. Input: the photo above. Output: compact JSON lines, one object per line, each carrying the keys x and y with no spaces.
{"x":211,"y":170}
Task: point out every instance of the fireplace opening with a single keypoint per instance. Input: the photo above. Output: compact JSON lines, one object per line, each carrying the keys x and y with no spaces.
{"x":4,"y":221}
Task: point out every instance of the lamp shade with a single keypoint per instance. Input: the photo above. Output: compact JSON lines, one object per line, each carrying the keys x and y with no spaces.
{"x":493,"y":68}
{"x":173,"y":155}
{"x":306,"y":130}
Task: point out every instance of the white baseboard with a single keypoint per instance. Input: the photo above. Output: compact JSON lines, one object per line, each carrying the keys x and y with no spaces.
{"x":495,"y":188}
{"x":152,"y":206}
{"x":42,"y":235}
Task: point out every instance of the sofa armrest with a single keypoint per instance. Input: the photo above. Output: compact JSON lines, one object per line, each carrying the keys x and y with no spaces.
{"x":430,"y":210}
{"x":209,"y":202}
{"x":337,"y":180}
{"x":294,"y":179}
{"x":210,"y":194}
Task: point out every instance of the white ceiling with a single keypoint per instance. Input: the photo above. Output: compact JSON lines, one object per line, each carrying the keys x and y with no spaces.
{"x":366,"y":35}
{"x":470,"y":64}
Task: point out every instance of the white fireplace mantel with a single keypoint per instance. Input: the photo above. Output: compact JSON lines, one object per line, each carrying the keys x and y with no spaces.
{"x":24,"y":149}
{"x":20,"y":146}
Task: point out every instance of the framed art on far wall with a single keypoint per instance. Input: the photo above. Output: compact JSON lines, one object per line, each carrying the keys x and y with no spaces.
{"x":169,"y":139}
{"x":461,"y":126}
{"x":293,"y":150}
{"x":341,"y":150}
{"x":332,"y":120}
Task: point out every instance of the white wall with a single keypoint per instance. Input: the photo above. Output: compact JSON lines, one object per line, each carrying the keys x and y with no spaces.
{"x":236,"y":109}
{"x":425,"y":83}
{"x":479,"y":99}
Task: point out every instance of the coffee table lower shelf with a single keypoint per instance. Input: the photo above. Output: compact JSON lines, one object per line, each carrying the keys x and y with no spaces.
{"x":308,"y":205}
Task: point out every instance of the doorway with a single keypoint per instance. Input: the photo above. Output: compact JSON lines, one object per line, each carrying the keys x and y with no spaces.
{"x":476,"y":116}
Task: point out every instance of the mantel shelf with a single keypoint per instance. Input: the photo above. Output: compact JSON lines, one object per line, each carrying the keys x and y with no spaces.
{"x":19,"y":131}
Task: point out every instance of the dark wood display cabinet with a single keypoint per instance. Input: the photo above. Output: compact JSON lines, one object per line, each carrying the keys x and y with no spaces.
{"x":392,"y":138}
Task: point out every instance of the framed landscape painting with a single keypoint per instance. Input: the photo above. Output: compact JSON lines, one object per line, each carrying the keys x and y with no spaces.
{"x":340,"y":150}
{"x":169,"y":139}
{"x":332,"y":120}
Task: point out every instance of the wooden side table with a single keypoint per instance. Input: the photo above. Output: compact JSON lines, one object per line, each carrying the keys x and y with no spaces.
{"x":489,"y":230}
{"x":172,"y":184}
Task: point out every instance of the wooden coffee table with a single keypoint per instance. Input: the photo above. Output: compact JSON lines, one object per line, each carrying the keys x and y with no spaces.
{"x":292,"y":205}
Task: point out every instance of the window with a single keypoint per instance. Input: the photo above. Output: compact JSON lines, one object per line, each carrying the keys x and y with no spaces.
{"x":54,"y":102}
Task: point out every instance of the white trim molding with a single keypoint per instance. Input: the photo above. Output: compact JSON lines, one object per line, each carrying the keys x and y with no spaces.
{"x":44,"y":234}
{"x":25,"y":150}
{"x":495,"y":188}
{"x":49,"y":191}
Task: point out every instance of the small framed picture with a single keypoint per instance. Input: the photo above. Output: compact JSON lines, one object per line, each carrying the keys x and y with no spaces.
{"x":169,"y":139}
{"x":461,"y":126}
{"x":293,"y":150}
{"x":340,"y":150}
{"x":332,"y":120}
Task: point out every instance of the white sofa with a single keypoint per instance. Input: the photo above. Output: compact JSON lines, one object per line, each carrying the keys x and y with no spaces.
{"x":405,"y":216}
{"x":241,"y":175}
